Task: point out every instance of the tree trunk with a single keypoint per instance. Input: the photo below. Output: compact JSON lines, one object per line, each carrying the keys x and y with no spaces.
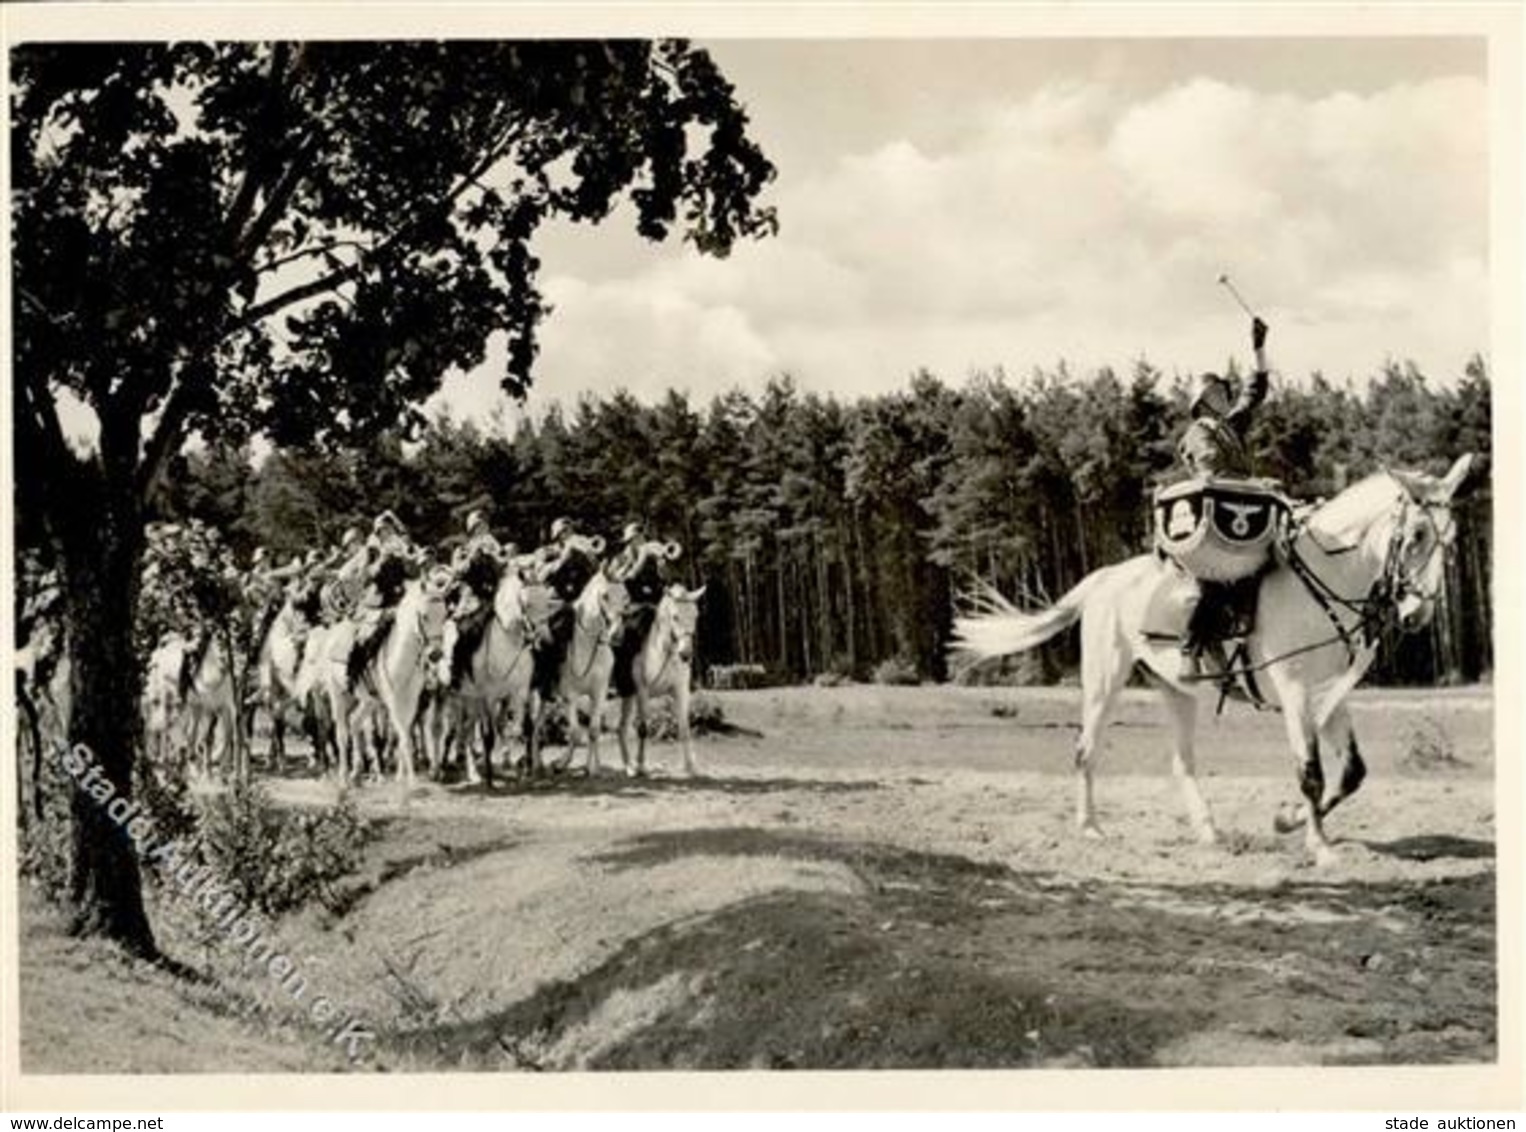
{"x":101,"y":553}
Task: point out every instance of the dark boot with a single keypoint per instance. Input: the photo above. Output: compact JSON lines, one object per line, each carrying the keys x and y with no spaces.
{"x":470,"y":629}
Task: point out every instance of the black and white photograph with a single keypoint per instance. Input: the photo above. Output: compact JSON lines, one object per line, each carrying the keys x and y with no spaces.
{"x":557,"y":553}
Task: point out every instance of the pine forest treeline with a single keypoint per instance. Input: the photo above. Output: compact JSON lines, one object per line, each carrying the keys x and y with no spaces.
{"x":833,"y":536}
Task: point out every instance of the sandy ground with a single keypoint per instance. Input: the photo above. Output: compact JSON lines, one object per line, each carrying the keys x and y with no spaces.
{"x":885,"y":877}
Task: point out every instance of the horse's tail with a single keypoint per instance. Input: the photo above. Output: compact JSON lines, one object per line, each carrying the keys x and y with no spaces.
{"x":995,"y":627}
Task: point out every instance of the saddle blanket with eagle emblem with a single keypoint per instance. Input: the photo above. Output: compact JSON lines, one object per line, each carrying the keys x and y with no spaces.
{"x":1217,"y":529}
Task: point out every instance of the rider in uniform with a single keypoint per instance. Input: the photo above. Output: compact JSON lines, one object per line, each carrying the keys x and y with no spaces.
{"x":1214,"y":444}
{"x":564,"y":565}
{"x":340,"y":575}
{"x":478,"y":565}
{"x":388,"y":561}
{"x":641,"y":572}
{"x":266,"y":587}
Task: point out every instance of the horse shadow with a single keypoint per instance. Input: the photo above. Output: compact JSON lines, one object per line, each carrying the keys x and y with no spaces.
{"x":1433,"y":847}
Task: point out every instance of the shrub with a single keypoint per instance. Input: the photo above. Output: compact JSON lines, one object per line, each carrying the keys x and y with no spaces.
{"x":899,"y":669}
{"x":165,"y":798}
{"x":1021,"y":671}
{"x":706,"y":717}
{"x":275,"y":859}
{"x":1428,"y":746}
{"x":46,"y":849}
{"x":737,"y":677}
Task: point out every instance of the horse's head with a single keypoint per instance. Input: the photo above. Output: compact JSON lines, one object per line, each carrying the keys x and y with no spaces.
{"x":678,"y":620}
{"x":603,"y":599}
{"x":536,"y":604}
{"x":1422,"y":535}
{"x":424,"y":609}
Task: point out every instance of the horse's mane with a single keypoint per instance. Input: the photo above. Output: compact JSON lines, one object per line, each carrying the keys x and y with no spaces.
{"x":1348,"y":516}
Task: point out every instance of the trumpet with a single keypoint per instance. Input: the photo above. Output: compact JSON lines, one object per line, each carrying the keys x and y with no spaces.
{"x":672,"y":551}
{"x":596,"y":544}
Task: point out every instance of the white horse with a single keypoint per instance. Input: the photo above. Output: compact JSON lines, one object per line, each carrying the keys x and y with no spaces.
{"x":309,"y":690}
{"x":497,"y":677}
{"x":1375,"y":551}
{"x":663,"y":667}
{"x":278,"y":667}
{"x":585,"y":671}
{"x":203,"y":720}
{"x":393,"y":681}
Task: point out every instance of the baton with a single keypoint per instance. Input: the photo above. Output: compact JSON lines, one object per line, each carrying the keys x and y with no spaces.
{"x":1224,"y":279}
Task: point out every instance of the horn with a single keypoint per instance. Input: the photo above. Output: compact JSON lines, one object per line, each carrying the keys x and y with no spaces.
{"x":671,"y":551}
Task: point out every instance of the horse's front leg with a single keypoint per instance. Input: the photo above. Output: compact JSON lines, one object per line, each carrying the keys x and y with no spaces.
{"x":595,"y":731}
{"x":1304,"y":739}
{"x":643,"y":727}
{"x":339,"y":721}
{"x":535,"y":721}
{"x":574,"y":732}
{"x":1336,"y":735}
{"x":488,"y":730}
{"x":1182,"y":708}
{"x":404,"y":715}
{"x":685,"y":732}
{"x":622,"y":734}
{"x":277,"y":757}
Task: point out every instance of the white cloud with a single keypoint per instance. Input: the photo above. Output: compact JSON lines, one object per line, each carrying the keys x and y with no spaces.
{"x":1075,"y":224}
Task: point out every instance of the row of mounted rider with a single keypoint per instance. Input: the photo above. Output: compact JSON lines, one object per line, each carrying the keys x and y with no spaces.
{"x":364,"y":578}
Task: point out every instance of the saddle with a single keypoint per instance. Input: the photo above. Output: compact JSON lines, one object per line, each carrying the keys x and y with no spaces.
{"x":1223,"y":534}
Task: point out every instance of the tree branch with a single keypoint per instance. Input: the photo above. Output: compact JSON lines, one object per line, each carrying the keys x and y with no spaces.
{"x":261,"y":311}
{"x":311,"y":250}
{"x":257,"y":172}
{"x":248,"y":242}
{"x":304,"y":291}
{"x":167,"y":434}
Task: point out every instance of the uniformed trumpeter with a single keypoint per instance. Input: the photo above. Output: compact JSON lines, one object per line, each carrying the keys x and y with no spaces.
{"x":641,"y":567}
{"x":564,"y":564}
{"x":478,"y":565}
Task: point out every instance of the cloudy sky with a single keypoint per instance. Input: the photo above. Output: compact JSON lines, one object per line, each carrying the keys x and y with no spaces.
{"x":961,"y":205}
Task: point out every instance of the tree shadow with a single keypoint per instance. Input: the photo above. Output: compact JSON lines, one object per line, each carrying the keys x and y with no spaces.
{"x":899,"y":958}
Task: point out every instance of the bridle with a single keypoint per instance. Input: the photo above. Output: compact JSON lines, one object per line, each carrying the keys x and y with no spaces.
{"x":1377,"y":611}
{"x":677,"y":634}
{"x":607,"y":622}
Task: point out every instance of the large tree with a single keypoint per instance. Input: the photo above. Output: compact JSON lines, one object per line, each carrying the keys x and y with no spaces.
{"x":299,"y":240}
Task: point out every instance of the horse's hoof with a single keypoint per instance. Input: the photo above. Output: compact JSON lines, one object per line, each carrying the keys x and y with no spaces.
{"x":1092,"y":831}
{"x":1325,"y":857}
{"x":1209,"y":837}
{"x":1289,"y":819}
